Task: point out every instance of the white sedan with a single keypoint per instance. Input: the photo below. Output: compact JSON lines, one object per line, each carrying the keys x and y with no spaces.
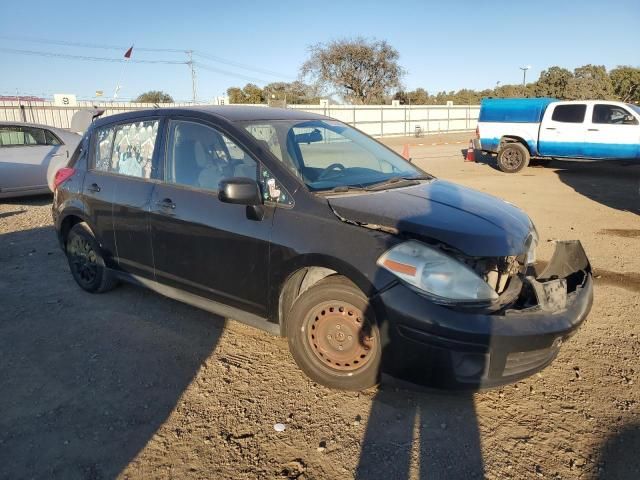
{"x":30,"y":155}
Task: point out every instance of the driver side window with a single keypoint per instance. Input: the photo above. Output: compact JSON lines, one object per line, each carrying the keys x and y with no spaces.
{"x":612,"y":115}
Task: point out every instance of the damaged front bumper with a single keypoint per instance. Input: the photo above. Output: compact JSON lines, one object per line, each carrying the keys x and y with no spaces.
{"x":441,"y":346}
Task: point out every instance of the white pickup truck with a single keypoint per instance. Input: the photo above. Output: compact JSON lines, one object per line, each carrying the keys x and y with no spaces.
{"x":519,"y":129}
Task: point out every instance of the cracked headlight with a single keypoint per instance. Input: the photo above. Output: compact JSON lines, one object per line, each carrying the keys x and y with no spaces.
{"x":441,"y":277}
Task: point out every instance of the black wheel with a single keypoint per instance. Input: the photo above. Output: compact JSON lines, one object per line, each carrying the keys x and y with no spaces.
{"x":333,"y":335}
{"x":86,"y":262}
{"x":513,"y":157}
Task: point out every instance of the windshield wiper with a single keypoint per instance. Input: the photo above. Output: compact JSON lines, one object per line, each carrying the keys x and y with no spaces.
{"x":397,"y":182}
{"x":341,"y":189}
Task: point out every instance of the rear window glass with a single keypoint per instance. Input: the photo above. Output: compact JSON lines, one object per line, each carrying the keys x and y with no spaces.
{"x":126,"y":149}
{"x":569,"y":113}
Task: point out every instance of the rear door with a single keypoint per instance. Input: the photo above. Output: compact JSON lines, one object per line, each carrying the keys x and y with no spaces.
{"x":613,"y":132}
{"x":132,"y":160}
{"x":25,"y":154}
{"x":563,"y":130}
{"x":200,"y":244}
{"x":98,"y":189}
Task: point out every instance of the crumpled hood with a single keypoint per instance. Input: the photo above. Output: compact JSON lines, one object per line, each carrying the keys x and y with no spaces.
{"x":473,"y":222}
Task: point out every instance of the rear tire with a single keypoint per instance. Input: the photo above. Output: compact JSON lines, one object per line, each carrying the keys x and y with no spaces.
{"x":86,"y":262}
{"x":333,"y":335}
{"x":513,"y":157}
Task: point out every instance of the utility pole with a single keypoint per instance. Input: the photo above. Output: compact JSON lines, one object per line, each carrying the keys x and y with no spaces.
{"x":524,"y":74}
{"x":193,"y":75}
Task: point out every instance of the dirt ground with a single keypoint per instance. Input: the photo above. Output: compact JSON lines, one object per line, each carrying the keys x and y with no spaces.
{"x":133,"y":385}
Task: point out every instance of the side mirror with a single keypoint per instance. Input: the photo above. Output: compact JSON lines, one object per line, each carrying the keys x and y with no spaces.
{"x":629,"y":120}
{"x":239,"y":190}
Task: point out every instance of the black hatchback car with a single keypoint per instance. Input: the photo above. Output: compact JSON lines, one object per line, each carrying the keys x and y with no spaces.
{"x":306,"y":227}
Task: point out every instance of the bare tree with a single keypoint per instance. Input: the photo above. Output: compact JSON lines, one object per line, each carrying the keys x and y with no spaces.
{"x":360,"y":71}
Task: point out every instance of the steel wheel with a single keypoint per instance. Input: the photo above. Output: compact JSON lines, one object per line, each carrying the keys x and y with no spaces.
{"x":339,"y":337}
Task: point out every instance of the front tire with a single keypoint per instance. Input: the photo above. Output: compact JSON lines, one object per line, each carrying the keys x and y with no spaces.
{"x":86,"y":262}
{"x":333,"y":335}
{"x":513,"y":157}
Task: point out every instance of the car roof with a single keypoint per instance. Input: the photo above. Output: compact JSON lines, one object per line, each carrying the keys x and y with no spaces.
{"x":231,"y":113}
{"x":7,"y":123}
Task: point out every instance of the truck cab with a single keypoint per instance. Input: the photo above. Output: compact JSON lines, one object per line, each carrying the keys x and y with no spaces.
{"x":519,"y":129}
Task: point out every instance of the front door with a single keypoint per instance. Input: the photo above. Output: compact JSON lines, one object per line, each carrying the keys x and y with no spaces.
{"x":613,"y":132}
{"x":202,"y":245}
{"x":562,"y":132}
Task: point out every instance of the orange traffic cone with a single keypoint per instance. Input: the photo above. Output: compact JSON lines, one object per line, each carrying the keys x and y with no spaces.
{"x":471,"y":155}
{"x":405,"y":152}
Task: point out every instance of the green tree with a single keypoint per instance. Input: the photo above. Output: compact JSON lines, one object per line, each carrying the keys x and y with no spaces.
{"x":292,"y":93}
{"x":250,"y":93}
{"x":154,"y":96}
{"x":361,"y":71}
{"x":553,"y":83}
{"x":590,"y":82}
{"x":625,"y":82}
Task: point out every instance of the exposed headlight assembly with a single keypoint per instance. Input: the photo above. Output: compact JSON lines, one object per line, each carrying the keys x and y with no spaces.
{"x":441,"y":277}
{"x":532,"y":244}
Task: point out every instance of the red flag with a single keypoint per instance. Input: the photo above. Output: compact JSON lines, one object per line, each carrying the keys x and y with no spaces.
{"x":128,"y":52}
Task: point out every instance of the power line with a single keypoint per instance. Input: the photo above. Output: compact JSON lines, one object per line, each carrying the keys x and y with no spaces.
{"x":239,"y":65}
{"x":206,"y":55}
{"x":89,"y":45}
{"x":204,"y":66}
{"x":86,"y":57}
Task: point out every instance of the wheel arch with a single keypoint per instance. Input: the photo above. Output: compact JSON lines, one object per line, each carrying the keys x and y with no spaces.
{"x":514,"y":139}
{"x":303,"y":274}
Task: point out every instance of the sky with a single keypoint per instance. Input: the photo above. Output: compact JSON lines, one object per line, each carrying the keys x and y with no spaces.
{"x":443,"y":45}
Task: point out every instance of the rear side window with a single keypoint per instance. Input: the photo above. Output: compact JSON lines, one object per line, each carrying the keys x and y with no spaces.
{"x":15,"y":136}
{"x":126,"y":149}
{"x":569,"y":113}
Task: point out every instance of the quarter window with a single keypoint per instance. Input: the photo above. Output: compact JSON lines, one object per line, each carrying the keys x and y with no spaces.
{"x":612,"y":115}
{"x":126,"y":149}
{"x":573,"y":113}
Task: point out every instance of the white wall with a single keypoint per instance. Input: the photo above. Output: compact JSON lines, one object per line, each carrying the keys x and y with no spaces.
{"x":376,"y":120}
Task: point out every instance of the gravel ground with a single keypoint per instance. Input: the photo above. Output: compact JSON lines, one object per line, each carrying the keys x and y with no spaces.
{"x":133,"y":385}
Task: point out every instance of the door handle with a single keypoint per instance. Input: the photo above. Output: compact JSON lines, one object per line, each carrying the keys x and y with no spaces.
{"x":94,"y":188}
{"x":594,"y":129}
{"x":550,"y":128}
{"x":166,"y":203}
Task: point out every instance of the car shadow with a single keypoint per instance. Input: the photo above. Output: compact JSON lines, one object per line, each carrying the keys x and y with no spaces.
{"x":614,"y":184}
{"x":618,"y":455}
{"x":87,"y":379}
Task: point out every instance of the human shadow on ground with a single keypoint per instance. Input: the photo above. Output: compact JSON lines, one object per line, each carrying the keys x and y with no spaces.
{"x":86,"y":379}
{"x":413,"y":432}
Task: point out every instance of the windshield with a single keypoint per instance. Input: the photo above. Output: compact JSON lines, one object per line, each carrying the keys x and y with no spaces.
{"x":328,"y":154}
{"x":636,"y":108}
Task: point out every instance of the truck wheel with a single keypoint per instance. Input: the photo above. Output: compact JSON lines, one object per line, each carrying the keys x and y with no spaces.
{"x":333,"y":335}
{"x":513,"y":157}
